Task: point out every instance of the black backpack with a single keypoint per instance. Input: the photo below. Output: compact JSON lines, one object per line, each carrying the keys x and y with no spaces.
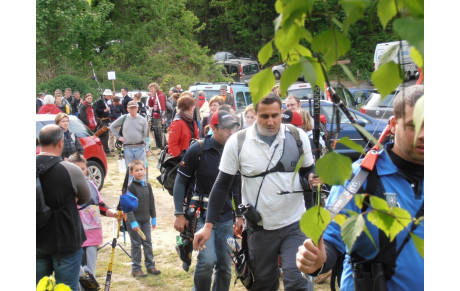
{"x":168,"y":166}
{"x":42,"y":209}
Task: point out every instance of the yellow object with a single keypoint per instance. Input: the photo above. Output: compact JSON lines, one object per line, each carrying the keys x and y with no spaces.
{"x":141,"y":234}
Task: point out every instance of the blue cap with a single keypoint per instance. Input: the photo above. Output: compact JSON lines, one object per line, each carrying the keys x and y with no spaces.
{"x":128,"y":202}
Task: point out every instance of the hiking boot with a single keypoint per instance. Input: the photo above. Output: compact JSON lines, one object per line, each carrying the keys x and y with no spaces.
{"x":322,"y":277}
{"x":154,"y":271}
{"x":138,"y":274}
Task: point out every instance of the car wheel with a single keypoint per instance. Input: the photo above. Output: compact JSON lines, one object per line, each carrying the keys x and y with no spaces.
{"x":277,"y":75}
{"x":96,"y":174}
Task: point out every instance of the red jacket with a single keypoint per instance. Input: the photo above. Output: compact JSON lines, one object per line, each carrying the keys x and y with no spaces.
{"x":87,"y":115}
{"x":49,"y":109}
{"x":180,"y":136}
{"x":152,"y":103}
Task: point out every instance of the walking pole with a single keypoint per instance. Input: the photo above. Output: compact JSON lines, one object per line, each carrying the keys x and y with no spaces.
{"x":108,"y":278}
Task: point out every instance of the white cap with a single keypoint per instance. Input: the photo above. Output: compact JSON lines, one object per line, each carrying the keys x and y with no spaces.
{"x":107,"y":92}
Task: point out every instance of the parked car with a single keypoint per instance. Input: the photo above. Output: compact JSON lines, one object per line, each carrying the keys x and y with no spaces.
{"x":223,"y":56}
{"x":241,"y":70}
{"x":94,"y":152}
{"x":379,"y":108}
{"x":239,"y":91}
{"x":278,"y":70}
{"x":374,"y":126}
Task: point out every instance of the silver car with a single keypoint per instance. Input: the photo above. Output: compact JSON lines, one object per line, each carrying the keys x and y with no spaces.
{"x":379,"y":108}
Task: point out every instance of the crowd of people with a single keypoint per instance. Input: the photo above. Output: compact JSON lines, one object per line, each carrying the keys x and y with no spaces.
{"x":240,"y":166}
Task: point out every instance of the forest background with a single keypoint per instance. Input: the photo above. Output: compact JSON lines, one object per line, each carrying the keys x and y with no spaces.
{"x":168,"y":41}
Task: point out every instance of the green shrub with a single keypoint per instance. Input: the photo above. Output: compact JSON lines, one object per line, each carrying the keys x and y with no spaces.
{"x":68,"y":81}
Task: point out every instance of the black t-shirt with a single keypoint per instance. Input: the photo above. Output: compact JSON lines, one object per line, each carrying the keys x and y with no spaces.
{"x":205,"y":168}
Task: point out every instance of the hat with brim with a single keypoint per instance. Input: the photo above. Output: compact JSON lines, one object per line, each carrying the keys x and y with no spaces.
{"x":107,"y":92}
{"x":132,"y":104}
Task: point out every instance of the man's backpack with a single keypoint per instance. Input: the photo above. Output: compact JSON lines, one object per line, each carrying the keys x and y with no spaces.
{"x":169,"y":165}
{"x":42,"y":209}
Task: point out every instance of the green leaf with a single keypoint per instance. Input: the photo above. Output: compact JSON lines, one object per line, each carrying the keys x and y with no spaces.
{"x":279,"y":6}
{"x":351,"y":229}
{"x":418,"y":116}
{"x":359,"y":200}
{"x":386,"y":10}
{"x":290,"y":75}
{"x":389,"y":54}
{"x":314,"y":221}
{"x":332,"y":44}
{"x":303,"y":51}
{"x":419,"y":244}
{"x":390,"y":221}
{"x":417,"y":57}
{"x":387,"y":78}
{"x":333,"y":168}
{"x":311,"y":70}
{"x":411,"y":29}
{"x":378,"y":203}
{"x":415,"y":7}
{"x":286,"y":38}
{"x":265,"y":53}
{"x":340,"y":219}
{"x":349,"y":74}
{"x":261,"y":84}
{"x":354,"y":10}
{"x":297,"y":167}
{"x":346,"y":141}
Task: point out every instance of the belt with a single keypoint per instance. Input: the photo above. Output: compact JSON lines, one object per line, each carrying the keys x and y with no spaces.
{"x":131,"y":144}
{"x":103,"y":118}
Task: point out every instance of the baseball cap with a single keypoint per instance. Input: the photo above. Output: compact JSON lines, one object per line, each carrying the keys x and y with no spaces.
{"x":107,"y":92}
{"x":223,"y":87}
{"x":132,"y":104}
{"x":291,"y":116}
{"x":224,"y":119}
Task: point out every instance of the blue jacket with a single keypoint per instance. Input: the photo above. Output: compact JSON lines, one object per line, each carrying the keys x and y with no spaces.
{"x":409,"y":273}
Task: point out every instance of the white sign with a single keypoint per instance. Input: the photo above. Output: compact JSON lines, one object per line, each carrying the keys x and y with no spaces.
{"x":111,"y":75}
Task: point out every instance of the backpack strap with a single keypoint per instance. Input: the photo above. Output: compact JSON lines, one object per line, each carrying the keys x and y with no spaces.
{"x":295,"y":132}
{"x":241,"y":136}
{"x":122,"y":122}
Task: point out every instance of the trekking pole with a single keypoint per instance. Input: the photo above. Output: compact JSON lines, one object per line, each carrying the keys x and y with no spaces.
{"x":108,"y":278}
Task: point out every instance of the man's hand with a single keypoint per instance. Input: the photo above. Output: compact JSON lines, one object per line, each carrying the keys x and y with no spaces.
{"x":180,"y":223}
{"x":122,"y":139}
{"x":111,"y":213}
{"x":314,"y":181}
{"x":106,"y":109}
{"x":309,"y":258}
{"x":137,"y":228}
{"x":202,"y":236}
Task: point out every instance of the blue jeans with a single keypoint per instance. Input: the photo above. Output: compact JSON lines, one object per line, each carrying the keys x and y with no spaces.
{"x":66,"y":268}
{"x":132,"y":154}
{"x":216,"y":255}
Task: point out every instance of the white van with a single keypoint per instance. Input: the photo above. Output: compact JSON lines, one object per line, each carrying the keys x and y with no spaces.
{"x":399,"y":56}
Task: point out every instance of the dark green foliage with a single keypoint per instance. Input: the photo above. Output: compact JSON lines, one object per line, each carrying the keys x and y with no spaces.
{"x":67,"y":81}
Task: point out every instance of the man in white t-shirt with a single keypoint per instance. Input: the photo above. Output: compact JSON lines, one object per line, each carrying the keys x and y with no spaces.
{"x":266,"y":160}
